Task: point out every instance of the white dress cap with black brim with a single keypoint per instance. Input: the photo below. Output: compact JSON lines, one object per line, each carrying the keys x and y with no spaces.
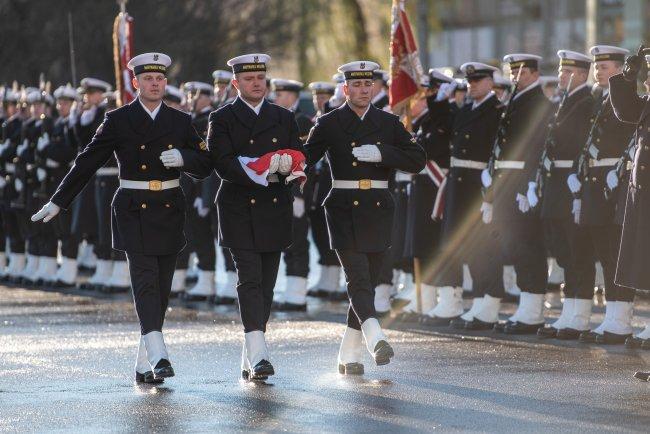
{"x":517,"y":60}
{"x":255,"y":62}
{"x":437,"y":77}
{"x":477,"y":70}
{"x":573,"y":58}
{"x":149,"y":62}
{"x":608,"y":52}
{"x":222,"y":76}
{"x":322,"y":87}
{"x":95,"y":84}
{"x":66,"y":92}
{"x":359,"y":70}
{"x":198,"y":87}
{"x":280,"y":84}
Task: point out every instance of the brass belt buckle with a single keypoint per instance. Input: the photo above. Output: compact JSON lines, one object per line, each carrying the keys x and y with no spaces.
{"x":155,"y":185}
{"x":365,"y":184}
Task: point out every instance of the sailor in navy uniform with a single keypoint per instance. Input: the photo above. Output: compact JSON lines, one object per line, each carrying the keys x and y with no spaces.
{"x":255,"y":211}
{"x":632,"y":269}
{"x":87,"y":209}
{"x":513,"y":163}
{"x":364,"y":146}
{"x":380,"y":84}
{"x":11,"y":128}
{"x":296,"y":257}
{"x":224,"y":92}
{"x":593,"y":210}
{"x":567,"y":242}
{"x":153,"y":144}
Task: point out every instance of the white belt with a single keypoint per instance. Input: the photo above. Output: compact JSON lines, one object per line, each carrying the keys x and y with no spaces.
{"x":563,"y":164}
{"x":361,"y":184}
{"x":149,"y":185}
{"x":10,"y":167}
{"x":509,"y":164}
{"x":467,"y":164}
{"x":401,"y":176}
{"x":604,"y":162}
{"x":51,"y":163}
{"x":106,"y":171}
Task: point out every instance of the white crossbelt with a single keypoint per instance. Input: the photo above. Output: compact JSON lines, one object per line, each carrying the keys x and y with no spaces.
{"x":563,"y":164}
{"x":467,"y":164}
{"x":52,"y":164}
{"x":361,"y":184}
{"x":509,"y":164}
{"x":108,"y":171}
{"x":10,"y":167}
{"x":149,"y":185}
{"x":604,"y":162}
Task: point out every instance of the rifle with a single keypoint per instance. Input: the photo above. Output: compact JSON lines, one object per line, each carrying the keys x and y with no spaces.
{"x":546,"y":164}
{"x":501,"y":130}
{"x":583,"y":159}
{"x":621,"y":166}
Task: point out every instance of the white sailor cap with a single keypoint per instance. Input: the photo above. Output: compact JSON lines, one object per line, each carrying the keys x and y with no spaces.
{"x":173,"y":93}
{"x":549,"y":80}
{"x":380,"y":74}
{"x":10,"y":95}
{"x":573,"y":58}
{"x":360,"y":69}
{"x":90,"y":83}
{"x":437,"y":77}
{"x":222,"y":76}
{"x":608,"y":52}
{"x":33,"y":95}
{"x":501,"y":82}
{"x":279,"y":84}
{"x":66,"y":92}
{"x":254,"y":62}
{"x":338,"y":77}
{"x":198,"y":87}
{"x":477,"y":70}
{"x":517,"y":60}
{"x":322,"y":87}
{"x":149,"y":62}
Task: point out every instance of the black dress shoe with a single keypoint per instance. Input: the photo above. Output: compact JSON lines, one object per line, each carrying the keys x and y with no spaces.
{"x":383,"y":353}
{"x":519,"y":328}
{"x":457,"y":323}
{"x":351,"y":369}
{"x":500,"y":326}
{"x":588,"y":337}
{"x":163,"y":369}
{"x":115,"y":289}
{"x":477,"y":324}
{"x":643,"y":376}
{"x":224,"y":300}
{"x":318,"y":293}
{"x":633,"y":342}
{"x":410,"y":317}
{"x":194,"y":297}
{"x":568,"y":334}
{"x":290,"y":307}
{"x":547,"y":332}
{"x":436,"y":321}
{"x":147,"y":378}
{"x":62,"y":284}
{"x":645,"y":345}
{"x":608,"y":338}
{"x":397,"y":303}
{"x":261,"y":371}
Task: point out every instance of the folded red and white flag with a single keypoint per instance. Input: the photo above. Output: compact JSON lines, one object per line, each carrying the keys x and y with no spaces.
{"x":257,"y":168}
{"x":439,"y":177}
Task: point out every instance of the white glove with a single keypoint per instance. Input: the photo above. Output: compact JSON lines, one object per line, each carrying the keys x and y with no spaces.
{"x":577,"y":205}
{"x":445,"y":91}
{"x":531,"y":194}
{"x":524,"y":206}
{"x":284,"y":165}
{"x":41,"y":174}
{"x":5,"y":145}
{"x":367,"y":153}
{"x":274,"y":164}
{"x":47,"y":213}
{"x":298,"y":207}
{"x":486,"y":210}
{"x":573,"y":183}
{"x":172,"y":158}
{"x":486,"y":178}
{"x":18,"y":184}
{"x":612,"y":180}
{"x":43,"y":141}
{"x":200,"y":209}
{"x":21,"y":148}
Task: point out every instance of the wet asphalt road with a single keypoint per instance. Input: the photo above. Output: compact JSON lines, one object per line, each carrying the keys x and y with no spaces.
{"x":66,"y":364}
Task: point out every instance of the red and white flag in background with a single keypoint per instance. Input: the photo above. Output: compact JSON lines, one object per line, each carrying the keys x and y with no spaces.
{"x":405,"y":67}
{"x":122,"y":53}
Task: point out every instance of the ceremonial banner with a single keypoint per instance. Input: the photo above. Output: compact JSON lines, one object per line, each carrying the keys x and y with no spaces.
{"x":405,"y":66}
{"x":122,"y":53}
